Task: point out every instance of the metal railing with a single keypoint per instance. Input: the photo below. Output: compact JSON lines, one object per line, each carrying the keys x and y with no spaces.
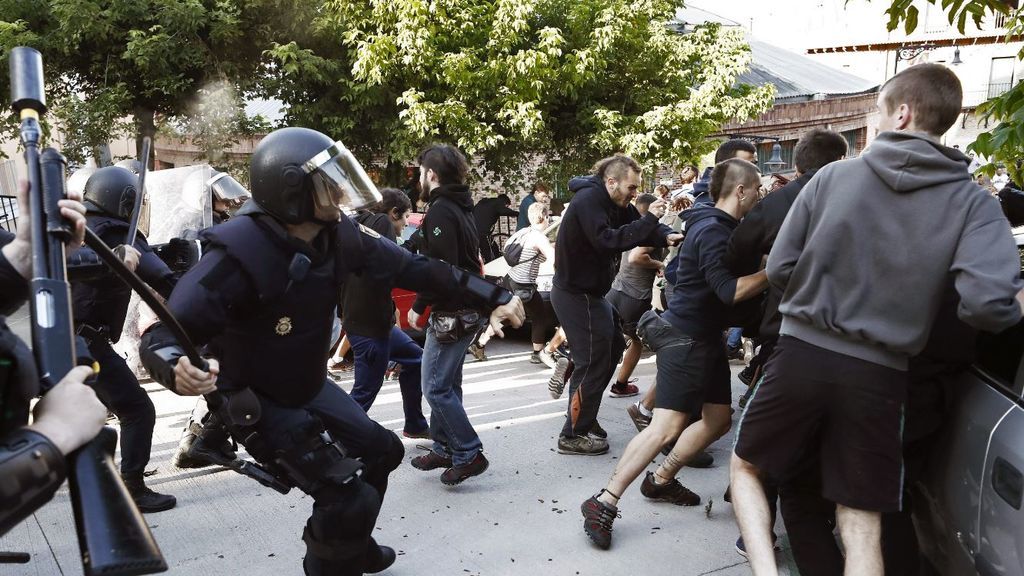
{"x":9,"y":213}
{"x":998,"y":89}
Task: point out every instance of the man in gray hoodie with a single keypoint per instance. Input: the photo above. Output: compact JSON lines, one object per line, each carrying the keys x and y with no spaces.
{"x":862,"y":261}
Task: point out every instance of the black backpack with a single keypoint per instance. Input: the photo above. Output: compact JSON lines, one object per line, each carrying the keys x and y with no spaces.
{"x":514,"y":249}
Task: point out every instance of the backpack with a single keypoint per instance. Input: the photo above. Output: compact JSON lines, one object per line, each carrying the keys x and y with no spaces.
{"x":514,"y":249}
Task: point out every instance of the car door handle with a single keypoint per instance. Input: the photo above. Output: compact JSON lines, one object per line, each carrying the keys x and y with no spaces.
{"x":1008,"y":482}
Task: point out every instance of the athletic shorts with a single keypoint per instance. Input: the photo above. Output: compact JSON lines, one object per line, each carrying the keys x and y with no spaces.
{"x":629,"y":310}
{"x":691,"y":371}
{"x":848,"y":410}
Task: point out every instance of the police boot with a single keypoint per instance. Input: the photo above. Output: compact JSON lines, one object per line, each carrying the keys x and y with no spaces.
{"x":181,"y":458}
{"x":145,"y":499}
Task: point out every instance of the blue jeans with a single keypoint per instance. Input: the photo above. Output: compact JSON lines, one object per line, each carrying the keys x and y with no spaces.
{"x":372,"y":356}
{"x":442,"y":386}
{"x":735,"y":338}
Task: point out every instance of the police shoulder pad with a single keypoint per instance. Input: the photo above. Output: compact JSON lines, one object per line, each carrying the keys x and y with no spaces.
{"x":369,"y":231}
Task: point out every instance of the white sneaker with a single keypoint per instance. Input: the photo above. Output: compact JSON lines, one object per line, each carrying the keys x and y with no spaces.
{"x":547,"y":359}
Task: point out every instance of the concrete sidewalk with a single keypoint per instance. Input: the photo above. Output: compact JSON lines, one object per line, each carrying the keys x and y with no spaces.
{"x":521,"y":517}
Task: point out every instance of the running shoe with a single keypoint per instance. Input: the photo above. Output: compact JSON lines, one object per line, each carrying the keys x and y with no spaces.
{"x":556,"y":385}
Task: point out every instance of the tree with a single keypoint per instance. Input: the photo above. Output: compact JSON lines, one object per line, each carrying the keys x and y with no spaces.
{"x":512,"y":80}
{"x":139,"y":58}
{"x":1004,"y":144}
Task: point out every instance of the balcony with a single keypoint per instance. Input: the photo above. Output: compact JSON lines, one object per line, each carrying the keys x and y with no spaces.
{"x":998,"y":89}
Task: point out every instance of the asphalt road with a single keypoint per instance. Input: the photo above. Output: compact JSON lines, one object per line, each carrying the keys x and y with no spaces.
{"x":520,"y":517}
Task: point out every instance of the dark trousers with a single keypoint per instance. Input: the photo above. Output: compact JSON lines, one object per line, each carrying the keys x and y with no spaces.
{"x":343,"y":516}
{"x":372,"y":356}
{"x":596,"y":344}
{"x":535,"y":310}
{"x":119,"y":389}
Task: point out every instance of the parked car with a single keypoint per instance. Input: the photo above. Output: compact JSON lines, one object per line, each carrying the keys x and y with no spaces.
{"x":968,"y":506}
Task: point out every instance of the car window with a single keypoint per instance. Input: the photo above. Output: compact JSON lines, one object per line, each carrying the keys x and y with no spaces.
{"x":999,"y":356}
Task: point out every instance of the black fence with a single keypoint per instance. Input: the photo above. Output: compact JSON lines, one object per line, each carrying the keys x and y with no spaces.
{"x":9,"y":213}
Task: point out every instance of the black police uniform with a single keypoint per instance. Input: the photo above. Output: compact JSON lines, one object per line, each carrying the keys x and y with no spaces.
{"x":100,"y":307}
{"x":31,"y":466}
{"x":273,"y":329}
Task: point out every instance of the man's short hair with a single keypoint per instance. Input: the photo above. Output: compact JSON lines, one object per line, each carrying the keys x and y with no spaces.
{"x":729,"y":148}
{"x":392,"y":199}
{"x":616,"y":166}
{"x":818,"y":148}
{"x":446,"y":161}
{"x":537,"y":212}
{"x":645,"y":200}
{"x":932,"y":91}
{"x":731,"y":173}
{"x":504,"y":199}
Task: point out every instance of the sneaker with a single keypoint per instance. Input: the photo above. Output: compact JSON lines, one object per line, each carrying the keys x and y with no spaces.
{"x":563,"y":350}
{"x":456,"y":474}
{"x":623,"y":390}
{"x":582,"y":445}
{"x":546,"y":358}
{"x":556,"y":385}
{"x":478,"y":352}
{"x":747,"y":376}
{"x":381,"y":560}
{"x":748,"y":350}
{"x":742,"y":550}
{"x":735,"y":353}
{"x":597,"y":431}
{"x":431,"y":461}
{"x":745,"y":399}
{"x":343,"y":366}
{"x":535,"y":358}
{"x":702,"y":459}
{"x":597,"y":521}
{"x":640,"y":420}
{"x":673,"y":492}
{"x":145,"y":499}
{"x":424,"y":435}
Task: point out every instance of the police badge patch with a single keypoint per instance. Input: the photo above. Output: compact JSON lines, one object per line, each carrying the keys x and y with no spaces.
{"x":369,"y":231}
{"x":284,"y":326}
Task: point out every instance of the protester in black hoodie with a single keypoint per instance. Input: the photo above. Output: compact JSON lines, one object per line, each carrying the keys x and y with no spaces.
{"x":486,"y":212}
{"x":450,"y":234}
{"x":598,"y":226}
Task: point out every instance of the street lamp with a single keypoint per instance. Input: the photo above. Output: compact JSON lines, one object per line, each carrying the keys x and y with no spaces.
{"x":775,"y":162}
{"x":909,"y":53}
{"x":956,"y":58}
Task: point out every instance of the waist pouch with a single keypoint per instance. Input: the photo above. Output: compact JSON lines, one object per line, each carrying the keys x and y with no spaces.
{"x":656,"y":332}
{"x":524,"y":292}
{"x":450,"y":327}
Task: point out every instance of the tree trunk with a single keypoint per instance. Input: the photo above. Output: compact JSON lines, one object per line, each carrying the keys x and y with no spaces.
{"x":146,"y":126}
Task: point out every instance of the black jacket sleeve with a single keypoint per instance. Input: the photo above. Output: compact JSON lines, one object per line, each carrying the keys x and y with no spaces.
{"x":32,"y":468}
{"x":13,"y":286}
{"x":747,"y":245}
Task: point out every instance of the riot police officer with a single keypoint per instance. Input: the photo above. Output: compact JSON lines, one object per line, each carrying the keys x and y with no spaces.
{"x":264,"y":292}
{"x":100,"y":307}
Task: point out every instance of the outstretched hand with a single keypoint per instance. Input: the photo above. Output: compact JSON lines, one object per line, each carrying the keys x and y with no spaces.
{"x":513,"y":312}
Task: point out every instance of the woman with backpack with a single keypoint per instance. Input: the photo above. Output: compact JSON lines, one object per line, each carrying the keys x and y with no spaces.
{"x":525,"y":251}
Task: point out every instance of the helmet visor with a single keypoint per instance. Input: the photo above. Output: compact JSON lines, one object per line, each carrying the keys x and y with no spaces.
{"x":227,"y":189}
{"x":339,"y":181}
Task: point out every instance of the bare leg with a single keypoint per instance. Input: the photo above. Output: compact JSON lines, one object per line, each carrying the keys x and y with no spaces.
{"x":714,"y":423}
{"x":641,"y":450}
{"x":648,"y":400}
{"x":341,"y":351}
{"x":556,"y":340}
{"x":629,"y":361}
{"x":751,"y":508}
{"x":861,"y":532}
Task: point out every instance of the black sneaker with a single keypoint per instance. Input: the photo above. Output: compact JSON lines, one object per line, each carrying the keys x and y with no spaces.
{"x":735,"y":353}
{"x":597,"y":431}
{"x":556,"y":385}
{"x":597,"y":521}
{"x":535,"y":358}
{"x":145,"y":499}
{"x":582,"y":445}
{"x":456,"y":474}
{"x":747,"y":375}
{"x":379,"y":560}
{"x":673,"y":492}
{"x":431,"y":461}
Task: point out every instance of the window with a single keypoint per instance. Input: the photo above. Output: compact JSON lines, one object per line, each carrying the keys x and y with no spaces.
{"x":1000,"y":77}
{"x":764,"y":153}
{"x":999,"y":356}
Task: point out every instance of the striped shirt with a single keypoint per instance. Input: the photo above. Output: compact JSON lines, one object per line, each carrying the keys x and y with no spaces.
{"x":529,"y":263}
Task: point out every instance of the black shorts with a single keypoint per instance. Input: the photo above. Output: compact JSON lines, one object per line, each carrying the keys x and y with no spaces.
{"x":691,"y":371}
{"x":629,"y":310}
{"x":848,"y":410}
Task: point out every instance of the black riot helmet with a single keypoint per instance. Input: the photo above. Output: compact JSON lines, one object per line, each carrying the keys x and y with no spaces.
{"x":111,"y":191}
{"x":227,"y":189}
{"x":294,"y":170}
